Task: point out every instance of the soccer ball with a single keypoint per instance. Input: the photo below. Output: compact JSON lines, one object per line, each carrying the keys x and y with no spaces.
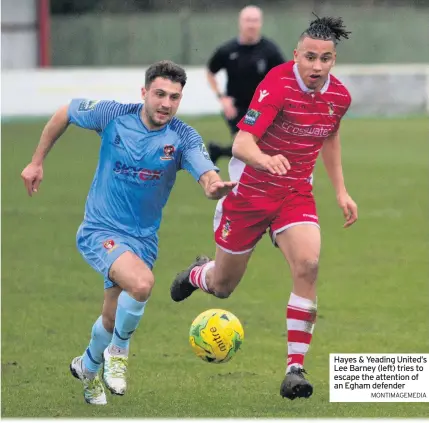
{"x":216,"y":335}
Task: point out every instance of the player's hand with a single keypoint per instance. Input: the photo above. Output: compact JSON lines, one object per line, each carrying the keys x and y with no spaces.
{"x":276,"y":165}
{"x":349,"y":207}
{"x":229,"y":109}
{"x":219,"y":189}
{"x":32,"y":176}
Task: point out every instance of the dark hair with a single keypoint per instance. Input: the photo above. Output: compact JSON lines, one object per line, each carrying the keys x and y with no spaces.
{"x":165,"y":69}
{"x":326,"y":29}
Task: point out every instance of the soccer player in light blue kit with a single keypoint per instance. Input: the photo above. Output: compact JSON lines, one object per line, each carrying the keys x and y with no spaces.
{"x":142,"y":148}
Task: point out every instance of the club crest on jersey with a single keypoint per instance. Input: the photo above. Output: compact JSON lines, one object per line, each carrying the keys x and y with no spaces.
{"x":168,"y":152}
{"x":87,"y":105}
{"x":109,"y":245}
{"x":251,"y":117}
{"x":331,"y":109}
{"x":226,"y":229}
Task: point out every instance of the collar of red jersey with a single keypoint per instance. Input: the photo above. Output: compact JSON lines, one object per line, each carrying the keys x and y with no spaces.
{"x":303,"y":86}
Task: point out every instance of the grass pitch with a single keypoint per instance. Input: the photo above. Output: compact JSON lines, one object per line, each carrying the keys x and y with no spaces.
{"x":373,"y":285}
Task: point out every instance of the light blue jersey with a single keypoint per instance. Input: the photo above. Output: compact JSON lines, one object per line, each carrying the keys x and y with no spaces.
{"x":137,"y":167}
{"x":135,"y":174}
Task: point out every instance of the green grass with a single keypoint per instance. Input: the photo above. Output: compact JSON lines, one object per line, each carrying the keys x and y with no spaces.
{"x":373,"y":294}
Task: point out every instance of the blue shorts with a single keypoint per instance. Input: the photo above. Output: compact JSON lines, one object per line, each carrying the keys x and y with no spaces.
{"x":100,"y":247}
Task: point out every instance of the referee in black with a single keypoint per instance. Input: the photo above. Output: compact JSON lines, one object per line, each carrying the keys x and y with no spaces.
{"x":246,"y":59}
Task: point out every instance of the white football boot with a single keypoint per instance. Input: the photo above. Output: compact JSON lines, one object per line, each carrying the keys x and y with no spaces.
{"x":114,"y":371}
{"x":93,"y":390}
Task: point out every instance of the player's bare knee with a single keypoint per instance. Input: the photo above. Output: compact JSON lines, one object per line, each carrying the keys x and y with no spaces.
{"x":142,"y":287}
{"x":224,"y":281}
{"x":223,"y":288}
{"x":307,"y":270}
{"x":222,"y":293}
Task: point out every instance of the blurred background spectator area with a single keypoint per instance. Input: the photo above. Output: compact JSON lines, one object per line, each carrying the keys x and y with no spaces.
{"x":139,"y":32}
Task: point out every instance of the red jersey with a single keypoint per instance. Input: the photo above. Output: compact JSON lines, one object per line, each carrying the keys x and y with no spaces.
{"x":292,"y":120}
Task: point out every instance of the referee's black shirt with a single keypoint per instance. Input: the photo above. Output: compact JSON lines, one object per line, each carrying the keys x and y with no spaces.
{"x":246,"y":66}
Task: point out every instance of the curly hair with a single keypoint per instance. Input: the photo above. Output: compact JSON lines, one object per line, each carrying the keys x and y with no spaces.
{"x":327,"y":28}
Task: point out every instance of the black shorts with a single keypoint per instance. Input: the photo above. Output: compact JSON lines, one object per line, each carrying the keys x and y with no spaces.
{"x":232,"y":123}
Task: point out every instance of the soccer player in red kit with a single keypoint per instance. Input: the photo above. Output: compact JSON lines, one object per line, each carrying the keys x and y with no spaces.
{"x":295,"y":114}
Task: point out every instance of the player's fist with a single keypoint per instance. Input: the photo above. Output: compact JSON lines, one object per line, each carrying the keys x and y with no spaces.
{"x":276,"y":165}
{"x":219,"y":189}
{"x":349,"y":207}
{"x":229,"y":110}
{"x":32,"y":176}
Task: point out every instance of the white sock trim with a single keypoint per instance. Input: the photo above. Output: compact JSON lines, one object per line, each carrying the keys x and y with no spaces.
{"x":87,"y":373}
{"x":206,"y":268}
{"x":293,"y":365}
{"x":299,"y":325}
{"x":115,"y":351}
{"x":301,"y":302}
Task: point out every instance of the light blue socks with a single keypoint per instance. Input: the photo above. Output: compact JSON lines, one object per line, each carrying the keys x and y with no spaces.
{"x":128,"y":316}
{"x":100,"y":339}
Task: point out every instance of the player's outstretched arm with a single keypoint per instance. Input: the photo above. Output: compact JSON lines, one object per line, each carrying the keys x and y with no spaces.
{"x":245,"y":148}
{"x":32,"y":175}
{"x":331,"y":156}
{"x":214,"y":187}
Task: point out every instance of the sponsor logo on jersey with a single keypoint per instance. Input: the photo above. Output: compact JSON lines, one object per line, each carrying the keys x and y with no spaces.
{"x":311,"y":131}
{"x":251,"y":117}
{"x":137,"y":173}
{"x":295,"y":106}
{"x":87,"y":105}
